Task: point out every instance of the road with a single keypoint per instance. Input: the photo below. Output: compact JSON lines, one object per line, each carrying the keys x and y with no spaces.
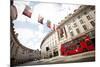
{"x":83,"y":57}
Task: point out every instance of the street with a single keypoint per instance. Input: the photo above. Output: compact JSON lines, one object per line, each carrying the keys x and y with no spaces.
{"x":82,"y":57}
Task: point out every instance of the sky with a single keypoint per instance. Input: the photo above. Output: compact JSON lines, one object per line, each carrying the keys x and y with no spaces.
{"x":30,"y":32}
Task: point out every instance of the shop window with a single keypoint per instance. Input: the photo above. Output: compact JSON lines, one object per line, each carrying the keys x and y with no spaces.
{"x":50,"y":55}
{"x":55,"y":53}
{"x":47,"y":48}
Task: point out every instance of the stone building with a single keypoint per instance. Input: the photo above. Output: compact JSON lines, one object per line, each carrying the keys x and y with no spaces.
{"x":18,"y":53}
{"x":81,"y":22}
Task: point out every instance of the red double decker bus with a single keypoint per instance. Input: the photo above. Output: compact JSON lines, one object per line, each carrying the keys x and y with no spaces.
{"x":78,"y":45}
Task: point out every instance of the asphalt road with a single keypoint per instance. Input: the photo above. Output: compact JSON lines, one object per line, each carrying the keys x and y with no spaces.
{"x":90,"y":59}
{"x":83,"y":57}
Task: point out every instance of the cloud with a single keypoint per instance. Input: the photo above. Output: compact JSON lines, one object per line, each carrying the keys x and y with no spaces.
{"x":29,"y":25}
{"x":29,"y":38}
{"x":31,"y":33}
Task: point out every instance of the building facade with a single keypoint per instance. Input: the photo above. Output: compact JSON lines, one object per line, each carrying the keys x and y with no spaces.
{"x":19,"y":54}
{"x":75,"y":25}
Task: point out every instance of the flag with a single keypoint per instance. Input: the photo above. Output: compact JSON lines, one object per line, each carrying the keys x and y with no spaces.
{"x":40,"y":19}
{"x":49,"y":23}
{"x":27,"y":11}
{"x":54,"y":27}
{"x":87,"y":38}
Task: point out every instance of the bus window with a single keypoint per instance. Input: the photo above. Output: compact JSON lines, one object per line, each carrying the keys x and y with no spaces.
{"x":72,"y":47}
{"x":89,"y":43}
{"x":81,"y":39}
{"x":78,"y":45}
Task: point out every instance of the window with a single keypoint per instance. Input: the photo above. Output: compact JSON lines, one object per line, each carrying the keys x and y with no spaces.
{"x":61,"y":32}
{"x":81,"y":39}
{"x":12,"y":44}
{"x":71,"y":33}
{"x":81,"y":21}
{"x":74,"y":25}
{"x":55,"y":53}
{"x":72,"y":47}
{"x":85,"y":13}
{"x":91,"y":34}
{"x":75,"y":41}
{"x":94,"y":12}
{"x":92,"y":8}
{"x":50,"y":55}
{"x":89,"y":43}
{"x":23,"y":52}
{"x":47,"y":48}
{"x":89,"y":17}
{"x":92,"y":23}
{"x":85,"y":28}
{"x":78,"y":17}
{"x":69,"y":28}
{"x":77,"y":30}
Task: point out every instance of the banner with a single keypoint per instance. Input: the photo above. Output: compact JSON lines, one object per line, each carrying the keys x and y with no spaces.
{"x":40,"y":19}
{"x":27,"y":11}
